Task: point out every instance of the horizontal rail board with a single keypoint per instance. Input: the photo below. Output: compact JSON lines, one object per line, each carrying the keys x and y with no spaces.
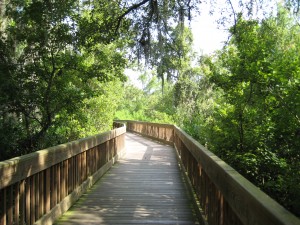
{"x":19,"y":168}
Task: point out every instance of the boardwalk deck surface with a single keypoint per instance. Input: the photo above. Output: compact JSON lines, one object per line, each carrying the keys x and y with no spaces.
{"x":145,"y":187}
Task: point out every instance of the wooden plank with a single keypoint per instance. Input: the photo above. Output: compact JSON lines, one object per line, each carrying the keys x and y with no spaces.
{"x":78,"y":170}
{"x":69,"y":176}
{"x":41,"y":193}
{"x":3,"y":201}
{"x":28,"y":200}
{"x":66,"y":177}
{"x":53,"y":186}
{"x":22,"y":202}
{"x":32,"y":200}
{"x":145,"y":187}
{"x":84,"y":167}
{"x":47,"y":190}
{"x":75,"y":172}
{"x":10,"y":205}
{"x":58,"y":179}
{"x":37,"y":196}
{"x":62,"y":181}
{"x":16,"y":202}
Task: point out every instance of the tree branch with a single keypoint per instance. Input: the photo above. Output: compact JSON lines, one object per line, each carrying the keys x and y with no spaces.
{"x":234,"y":15}
{"x":130,"y":9}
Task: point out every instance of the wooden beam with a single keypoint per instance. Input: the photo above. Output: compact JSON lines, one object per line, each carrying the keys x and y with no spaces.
{"x":19,"y":168}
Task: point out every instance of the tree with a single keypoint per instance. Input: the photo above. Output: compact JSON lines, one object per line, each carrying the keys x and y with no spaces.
{"x":256,"y":119}
{"x":148,"y":103}
{"x":47,"y":71}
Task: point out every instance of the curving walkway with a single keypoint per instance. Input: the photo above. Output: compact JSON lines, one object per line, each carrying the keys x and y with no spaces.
{"x":145,"y":187}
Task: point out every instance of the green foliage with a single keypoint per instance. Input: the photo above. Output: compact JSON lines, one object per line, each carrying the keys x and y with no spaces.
{"x":148,"y":104}
{"x":96,"y":115}
{"x":52,"y":82}
{"x":245,"y":104}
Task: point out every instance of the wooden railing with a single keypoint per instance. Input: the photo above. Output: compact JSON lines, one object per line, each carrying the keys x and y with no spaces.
{"x":224,"y":196}
{"x":37,"y":188}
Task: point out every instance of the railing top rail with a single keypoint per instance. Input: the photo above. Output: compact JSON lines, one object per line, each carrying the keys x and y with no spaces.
{"x":19,"y":168}
{"x":257,"y":206}
{"x":148,"y":123}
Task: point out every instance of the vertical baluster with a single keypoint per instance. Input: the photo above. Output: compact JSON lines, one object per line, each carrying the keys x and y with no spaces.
{"x":41,"y":193}
{"x":56,"y":185}
{"x":37,"y":196}
{"x":79,"y":172}
{"x":88,"y":163}
{"x":47,"y":190}
{"x":100,"y":155}
{"x":106,"y":152}
{"x":69,"y":187}
{"x":115,"y":146}
{"x":22,"y":202}
{"x":16,"y":202}
{"x":97,"y":158}
{"x":52,"y":186}
{"x":3,"y":200}
{"x":58,"y":179}
{"x":77,"y":162}
{"x":118,"y":144}
{"x":66,"y":174}
{"x":92,"y":160}
{"x":33,"y":201}
{"x":10,"y":205}
{"x":74,"y":173}
{"x":62,"y":181}
{"x":213,"y":203}
{"x":111,"y":146}
{"x":221,"y":208}
{"x":28,"y":200}
{"x":82,"y":166}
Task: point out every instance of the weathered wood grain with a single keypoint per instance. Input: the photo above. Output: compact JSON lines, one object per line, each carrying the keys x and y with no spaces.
{"x":19,"y":168}
{"x":146,"y":187}
{"x":246,"y":201}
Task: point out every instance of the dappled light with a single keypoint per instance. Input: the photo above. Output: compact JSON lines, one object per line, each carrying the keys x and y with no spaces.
{"x":144,"y":187}
{"x":230,"y":115}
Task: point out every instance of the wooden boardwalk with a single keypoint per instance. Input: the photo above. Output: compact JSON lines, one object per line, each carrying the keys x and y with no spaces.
{"x":145,"y":187}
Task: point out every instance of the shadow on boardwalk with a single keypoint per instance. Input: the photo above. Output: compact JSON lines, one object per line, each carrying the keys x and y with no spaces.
{"x":146,"y":187}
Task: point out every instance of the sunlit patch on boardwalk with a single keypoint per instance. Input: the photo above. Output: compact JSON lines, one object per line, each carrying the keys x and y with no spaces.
{"x":146,"y":187}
